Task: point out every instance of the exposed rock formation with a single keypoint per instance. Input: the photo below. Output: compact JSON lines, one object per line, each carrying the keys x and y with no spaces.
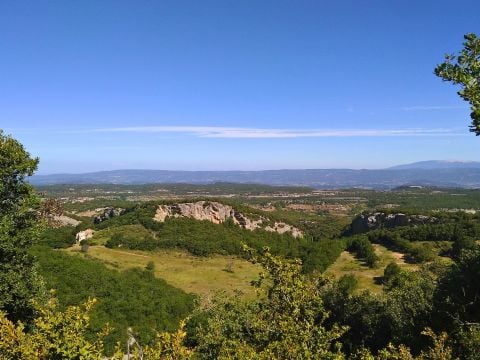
{"x":366,"y":222}
{"x":64,"y":220}
{"x":218,"y":213}
{"x":107,"y":213}
{"x":282,"y":228}
{"x":84,"y":235}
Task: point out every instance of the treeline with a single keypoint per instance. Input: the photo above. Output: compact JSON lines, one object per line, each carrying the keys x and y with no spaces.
{"x":363,"y":249}
{"x":203,"y":238}
{"x":318,"y":249}
{"x":217,"y":188}
{"x":425,"y":199}
{"x":94,"y":204}
{"x":58,"y":238}
{"x":133,"y":214}
{"x":131,"y":298}
{"x":447,"y":237}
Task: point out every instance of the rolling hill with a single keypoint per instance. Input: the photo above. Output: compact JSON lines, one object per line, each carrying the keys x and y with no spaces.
{"x":427,"y":173}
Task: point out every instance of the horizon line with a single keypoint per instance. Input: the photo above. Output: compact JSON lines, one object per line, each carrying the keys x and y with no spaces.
{"x":391,"y":167}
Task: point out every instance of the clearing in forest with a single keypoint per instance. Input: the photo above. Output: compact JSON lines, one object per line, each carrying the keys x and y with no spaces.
{"x":368,"y":278}
{"x":199,"y":275}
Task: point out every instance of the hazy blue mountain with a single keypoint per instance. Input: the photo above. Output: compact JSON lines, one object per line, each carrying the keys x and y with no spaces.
{"x":456,"y":176}
{"x":439,"y":164}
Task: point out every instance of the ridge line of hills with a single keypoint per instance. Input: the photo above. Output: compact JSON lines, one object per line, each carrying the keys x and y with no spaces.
{"x":425,"y":173}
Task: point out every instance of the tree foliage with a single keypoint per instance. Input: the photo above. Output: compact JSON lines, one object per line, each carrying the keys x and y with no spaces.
{"x":63,"y":335}
{"x":19,"y":228}
{"x":56,"y":335}
{"x":203,"y":238}
{"x":362,"y":247}
{"x":464,"y":70}
{"x":457,"y":296}
{"x":50,"y":210}
{"x":132,"y":298}
{"x":286,"y":321}
{"x":294,"y":317}
{"x":58,"y":237}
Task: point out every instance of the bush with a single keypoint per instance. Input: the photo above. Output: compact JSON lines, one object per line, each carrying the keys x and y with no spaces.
{"x":391,"y":271}
{"x":321,"y":254}
{"x":58,"y":238}
{"x":348,"y":283}
{"x":133,"y":242}
{"x":363,"y":249}
{"x":150,"y":266}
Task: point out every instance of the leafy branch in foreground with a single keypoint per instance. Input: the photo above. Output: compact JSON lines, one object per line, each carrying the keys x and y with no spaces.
{"x":285,"y":322}
{"x":464,"y":70}
{"x":19,"y":229}
{"x":56,"y":335}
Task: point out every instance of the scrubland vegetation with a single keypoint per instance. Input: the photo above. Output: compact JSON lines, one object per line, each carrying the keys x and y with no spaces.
{"x":381,"y":293}
{"x":134,"y":296}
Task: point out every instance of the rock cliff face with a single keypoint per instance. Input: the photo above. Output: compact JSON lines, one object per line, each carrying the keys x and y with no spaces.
{"x":64,"y":220}
{"x":218,"y":213}
{"x":84,"y":235}
{"x":107,"y":213}
{"x":366,"y":222}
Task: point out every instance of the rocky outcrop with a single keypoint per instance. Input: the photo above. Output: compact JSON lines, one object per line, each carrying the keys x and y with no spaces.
{"x":84,"y":235}
{"x":366,"y":222}
{"x":107,"y":213}
{"x":283,"y":228}
{"x":64,"y":220}
{"x":217,"y":213}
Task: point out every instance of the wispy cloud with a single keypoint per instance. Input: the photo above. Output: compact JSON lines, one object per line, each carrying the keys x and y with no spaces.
{"x":431,"y":107}
{"x":241,"y":132}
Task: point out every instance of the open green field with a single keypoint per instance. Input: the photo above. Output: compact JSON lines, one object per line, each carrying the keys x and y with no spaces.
{"x":192,"y":274}
{"x":367,"y":277}
{"x":206,"y":275}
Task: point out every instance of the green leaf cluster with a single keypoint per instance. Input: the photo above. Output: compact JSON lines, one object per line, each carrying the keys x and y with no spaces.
{"x":463,"y":69}
{"x":19,"y":229}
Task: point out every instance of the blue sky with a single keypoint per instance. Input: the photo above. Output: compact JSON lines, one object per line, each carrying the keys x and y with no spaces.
{"x":99,"y":85}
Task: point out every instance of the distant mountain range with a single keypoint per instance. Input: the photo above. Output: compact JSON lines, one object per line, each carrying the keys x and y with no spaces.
{"x":425,"y":173}
{"x":439,"y":164}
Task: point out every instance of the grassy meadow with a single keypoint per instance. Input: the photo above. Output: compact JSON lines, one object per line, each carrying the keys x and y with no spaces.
{"x":198,"y":275}
{"x":368,"y":278}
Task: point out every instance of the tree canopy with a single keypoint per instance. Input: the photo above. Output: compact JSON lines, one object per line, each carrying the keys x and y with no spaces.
{"x":19,"y":227}
{"x":464,"y":70}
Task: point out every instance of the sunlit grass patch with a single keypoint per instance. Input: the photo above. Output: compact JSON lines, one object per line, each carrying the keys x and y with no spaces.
{"x":193,"y":274}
